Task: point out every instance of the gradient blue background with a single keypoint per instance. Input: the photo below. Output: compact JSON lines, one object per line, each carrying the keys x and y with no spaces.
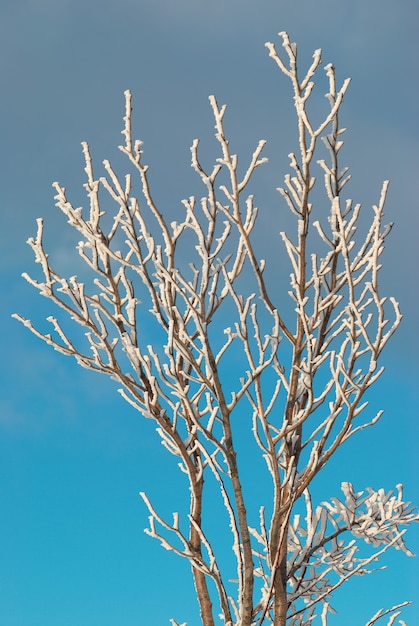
{"x":73,"y":455}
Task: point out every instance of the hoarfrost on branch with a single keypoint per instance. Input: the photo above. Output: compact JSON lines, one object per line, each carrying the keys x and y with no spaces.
{"x":302,"y":383}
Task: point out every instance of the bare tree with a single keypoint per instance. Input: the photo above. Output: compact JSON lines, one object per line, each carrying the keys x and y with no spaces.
{"x":298,"y":386}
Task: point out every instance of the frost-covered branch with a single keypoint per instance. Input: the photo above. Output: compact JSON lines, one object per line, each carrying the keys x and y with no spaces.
{"x":182,"y":312}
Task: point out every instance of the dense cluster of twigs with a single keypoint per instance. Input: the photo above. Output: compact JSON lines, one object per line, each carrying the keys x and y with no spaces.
{"x":302,"y":385}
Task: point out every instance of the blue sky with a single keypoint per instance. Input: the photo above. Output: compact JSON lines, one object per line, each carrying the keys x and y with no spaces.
{"x":73,"y":455}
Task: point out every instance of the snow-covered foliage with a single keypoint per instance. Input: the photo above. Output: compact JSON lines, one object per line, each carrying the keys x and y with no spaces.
{"x":302,"y":384}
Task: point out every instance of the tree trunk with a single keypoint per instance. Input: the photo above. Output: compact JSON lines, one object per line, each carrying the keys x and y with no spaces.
{"x":200,"y":580}
{"x":280,"y":589}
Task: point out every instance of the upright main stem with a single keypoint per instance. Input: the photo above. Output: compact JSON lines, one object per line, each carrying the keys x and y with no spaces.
{"x":200,"y":580}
